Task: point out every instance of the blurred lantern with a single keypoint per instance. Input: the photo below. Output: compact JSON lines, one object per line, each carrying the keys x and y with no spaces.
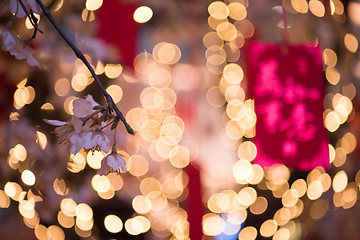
{"x":287,"y":85}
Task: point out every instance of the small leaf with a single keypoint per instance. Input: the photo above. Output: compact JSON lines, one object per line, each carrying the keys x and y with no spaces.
{"x":113,"y":126}
{"x":129,"y":129}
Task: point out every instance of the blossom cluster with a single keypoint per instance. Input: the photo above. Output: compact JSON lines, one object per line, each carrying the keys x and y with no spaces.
{"x":88,"y":129}
{"x":16,"y":47}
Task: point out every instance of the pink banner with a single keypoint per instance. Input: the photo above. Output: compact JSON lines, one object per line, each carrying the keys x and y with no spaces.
{"x":287,"y":85}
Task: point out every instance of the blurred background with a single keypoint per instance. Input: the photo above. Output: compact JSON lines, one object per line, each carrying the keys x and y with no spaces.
{"x":187,"y":80}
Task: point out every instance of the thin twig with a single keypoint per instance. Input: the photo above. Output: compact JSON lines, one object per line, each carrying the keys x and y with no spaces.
{"x":81,"y":56}
{"x":33,"y":20}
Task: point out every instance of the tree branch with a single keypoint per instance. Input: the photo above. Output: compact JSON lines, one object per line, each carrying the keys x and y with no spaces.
{"x":80,"y":55}
{"x":33,"y":20}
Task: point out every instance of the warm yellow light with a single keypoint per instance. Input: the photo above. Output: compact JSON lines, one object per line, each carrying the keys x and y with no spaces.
{"x":213,"y":224}
{"x":28,"y":177}
{"x":68,"y":105}
{"x":332,"y":121}
{"x":143,"y":14}
{"x":115,"y":92}
{"x":247,"y":151}
{"x":68,"y":207}
{"x":314,"y":190}
{"x":218,"y":10}
{"x":248,"y":233}
{"x":141,"y":204}
{"x":167,"y":53}
{"x":340,"y":181}
{"x":179,"y":156}
{"x":247,"y":196}
{"x":113,"y":223}
{"x":141,"y":224}
{"x":259,"y":206}
{"x":237,"y":11}
{"x":300,"y":187}
{"x":101,"y":183}
{"x":226,"y":31}
{"x":41,"y":139}
{"x":300,"y":6}
{"x":13,"y":190}
{"x":62,"y":87}
{"x":41,"y":232}
{"x":242,"y":171}
{"x":60,"y":187}
{"x":332,"y":75}
{"x":55,"y":232}
{"x":329,"y":57}
{"x":113,"y":70}
{"x":77,"y":162}
{"x":351,"y":42}
{"x":94,"y":159}
{"x":354,"y":9}
{"x":268,"y":228}
{"x":83,"y":212}
{"x":282,"y":234}
{"x":84,"y":225}
{"x":79,"y":82}
{"x":317,"y":8}
{"x":28,"y":24}
{"x":27,"y":208}
{"x":93,"y":5}
{"x":233,"y":73}
{"x":65,"y":220}
{"x":4,"y":200}
{"x":20,"y":152}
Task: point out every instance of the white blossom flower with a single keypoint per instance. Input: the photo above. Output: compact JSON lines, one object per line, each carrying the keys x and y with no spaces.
{"x":113,"y":162}
{"x":8,"y":39}
{"x":17,"y":10}
{"x":84,"y":107}
{"x":85,"y":129}
{"x":69,"y":132}
{"x":16,"y":47}
{"x":96,"y":139}
{"x":76,"y":143}
{"x":116,"y":161}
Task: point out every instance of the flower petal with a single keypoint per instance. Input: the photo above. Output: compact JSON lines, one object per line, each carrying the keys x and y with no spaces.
{"x":91,"y":100}
{"x":104,"y":143}
{"x":8,"y":39}
{"x":77,"y":124}
{"x":55,"y":122}
{"x":82,"y":108}
{"x":116,"y":162}
{"x":34,"y":6}
{"x":76,"y":143}
{"x":88,"y":140}
{"x":15,"y":8}
{"x":113,"y":162}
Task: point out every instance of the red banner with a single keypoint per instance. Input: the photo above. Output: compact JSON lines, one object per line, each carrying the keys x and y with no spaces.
{"x":287,"y":85}
{"x":117,"y":27}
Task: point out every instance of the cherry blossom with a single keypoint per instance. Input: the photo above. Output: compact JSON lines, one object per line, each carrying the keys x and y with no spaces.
{"x":85,"y":129}
{"x":113,"y":162}
{"x":19,"y":49}
{"x":84,"y":107}
{"x":96,"y":139}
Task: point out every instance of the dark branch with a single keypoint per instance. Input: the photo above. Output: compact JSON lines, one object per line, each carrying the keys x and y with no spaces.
{"x":33,"y":20}
{"x":81,"y":56}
